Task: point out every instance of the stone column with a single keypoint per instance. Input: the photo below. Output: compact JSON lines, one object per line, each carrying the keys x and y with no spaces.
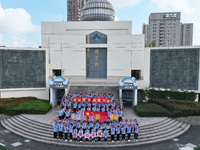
{"x":53,"y":100}
{"x":135,"y":96}
{"x":120,"y":98}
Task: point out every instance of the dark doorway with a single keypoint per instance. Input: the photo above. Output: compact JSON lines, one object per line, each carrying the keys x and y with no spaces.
{"x":199,"y":98}
{"x":57,"y":72}
{"x":96,"y":62}
{"x":127,"y":96}
{"x":59,"y":95}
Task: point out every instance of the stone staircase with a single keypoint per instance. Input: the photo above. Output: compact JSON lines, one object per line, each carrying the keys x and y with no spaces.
{"x":157,"y":132}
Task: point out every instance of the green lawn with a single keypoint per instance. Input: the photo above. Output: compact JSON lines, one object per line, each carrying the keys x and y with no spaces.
{"x":29,"y":105}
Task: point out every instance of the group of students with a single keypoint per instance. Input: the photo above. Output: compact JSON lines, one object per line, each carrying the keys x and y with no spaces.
{"x":75,"y":130}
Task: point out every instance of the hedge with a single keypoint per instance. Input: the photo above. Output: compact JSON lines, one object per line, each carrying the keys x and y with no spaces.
{"x":28,"y":105}
{"x":180,"y":108}
{"x":151,"y":110}
{"x":152,"y":94}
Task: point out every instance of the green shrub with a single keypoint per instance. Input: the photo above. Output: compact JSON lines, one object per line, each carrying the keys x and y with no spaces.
{"x":16,"y":106}
{"x":179,"y":108}
{"x":151,"y":110}
{"x":2,"y":148}
{"x":152,"y":94}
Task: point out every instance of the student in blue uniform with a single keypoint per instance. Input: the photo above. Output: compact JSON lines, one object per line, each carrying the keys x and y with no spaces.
{"x":118,"y":132}
{"x":112,"y":133}
{"x":93,"y":131}
{"x":91,"y":126}
{"x":60,"y":130}
{"x":105,"y":135}
{"x":55,"y":131}
{"x":99,"y":137}
{"x":120,"y":115}
{"x":66,"y":131}
{"x":137,"y":129}
{"x":87,"y":131}
{"x":81,"y":137}
{"x":71,"y":131}
{"x":75,"y":131}
{"x":84,"y":126}
{"x":129,"y":129}
{"x":104,"y":126}
{"x":123,"y":130}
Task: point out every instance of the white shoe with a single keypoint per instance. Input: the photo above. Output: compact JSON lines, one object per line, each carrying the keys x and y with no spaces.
{"x":135,"y":140}
{"x":128,"y":140}
{"x":70,"y":140}
{"x":65,"y":140}
{"x":117,"y":141}
{"x":81,"y":141}
{"x":112,"y":141}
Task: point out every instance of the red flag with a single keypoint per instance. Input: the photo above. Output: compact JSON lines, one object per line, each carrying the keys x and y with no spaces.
{"x":73,"y":91}
{"x":51,"y":122}
{"x":90,"y":89}
{"x":141,"y":118}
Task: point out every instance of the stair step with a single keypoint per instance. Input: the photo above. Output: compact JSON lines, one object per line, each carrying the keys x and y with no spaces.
{"x":100,"y":145}
{"x":23,"y":117}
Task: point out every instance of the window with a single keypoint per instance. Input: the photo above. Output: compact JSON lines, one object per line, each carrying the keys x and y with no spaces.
{"x":136,"y":74}
{"x":57,"y":72}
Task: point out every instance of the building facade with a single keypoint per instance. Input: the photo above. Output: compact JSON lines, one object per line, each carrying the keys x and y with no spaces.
{"x":97,"y":51}
{"x":167,"y":30}
{"x":74,"y":8}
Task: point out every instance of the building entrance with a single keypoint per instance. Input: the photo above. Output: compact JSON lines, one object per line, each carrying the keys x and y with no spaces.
{"x":96,"y":62}
{"x":59,"y":95}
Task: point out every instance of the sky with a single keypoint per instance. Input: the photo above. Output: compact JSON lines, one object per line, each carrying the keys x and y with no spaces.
{"x":20,"y":20}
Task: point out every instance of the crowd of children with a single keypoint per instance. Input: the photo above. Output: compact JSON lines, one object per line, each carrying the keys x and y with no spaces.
{"x":79,"y":129}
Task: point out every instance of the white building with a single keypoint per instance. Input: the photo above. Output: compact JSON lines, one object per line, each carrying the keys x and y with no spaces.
{"x":68,"y":47}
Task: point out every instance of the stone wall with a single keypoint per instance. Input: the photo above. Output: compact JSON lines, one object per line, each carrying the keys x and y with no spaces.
{"x":22,"y":69}
{"x":174,"y":68}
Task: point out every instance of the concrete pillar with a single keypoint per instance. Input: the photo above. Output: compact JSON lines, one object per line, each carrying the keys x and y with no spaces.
{"x":66,"y":91}
{"x":135,"y":97}
{"x":53,"y":100}
{"x":120,"y":98}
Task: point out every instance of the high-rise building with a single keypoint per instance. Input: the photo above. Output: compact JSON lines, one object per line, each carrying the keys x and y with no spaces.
{"x":167,"y":30}
{"x":74,"y":9}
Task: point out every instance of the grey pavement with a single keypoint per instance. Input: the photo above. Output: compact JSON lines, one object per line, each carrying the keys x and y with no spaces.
{"x":185,"y":142}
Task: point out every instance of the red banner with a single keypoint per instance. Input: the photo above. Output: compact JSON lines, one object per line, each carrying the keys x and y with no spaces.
{"x":104,"y":100}
{"x":74,"y":99}
{"x":79,"y":100}
{"x":102,"y":115}
{"x":108,"y":101}
{"x":98,"y":100}
{"x":84,"y":99}
{"x":94,"y":100}
{"x":89,"y":100}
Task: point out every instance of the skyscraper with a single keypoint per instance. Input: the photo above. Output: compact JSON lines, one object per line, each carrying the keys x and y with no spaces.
{"x":167,"y":30}
{"x":74,"y":9}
